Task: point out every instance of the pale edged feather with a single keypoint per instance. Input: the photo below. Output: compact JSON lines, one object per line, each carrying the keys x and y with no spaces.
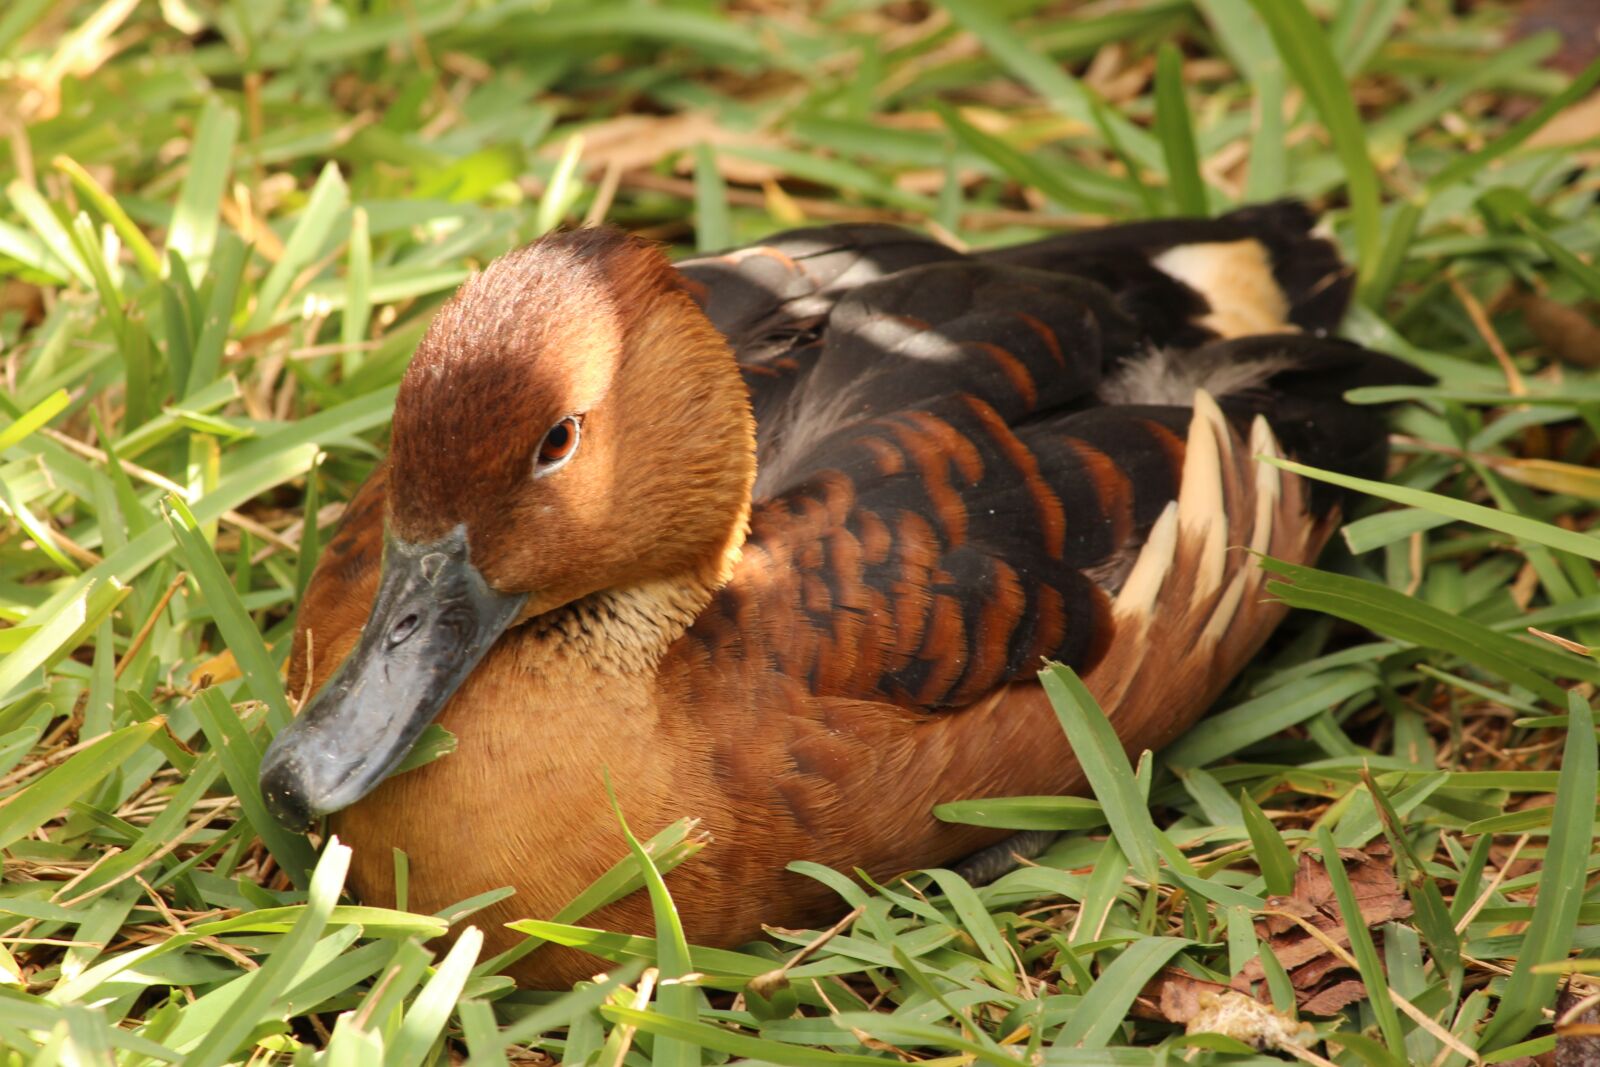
{"x":1202,"y":503}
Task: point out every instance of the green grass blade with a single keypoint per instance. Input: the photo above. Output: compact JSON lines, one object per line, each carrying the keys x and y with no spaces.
{"x":356,"y":318}
{"x":329,"y":197}
{"x":1561,"y":885}
{"x":1025,"y":813}
{"x":482,"y":1035}
{"x":1305,"y":51}
{"x":1018,"y":165}
{"x":431,"y":1010}
{"x":54,"y":237}
{"x":563,"y":1010}
{"x":275,"y":975}
{"x":705,"y":1035}
{"x":564,"y":187}
{"x":1104,"y":1007}
{"x":1175,"y":131}
{"x":26,"y":810}
{"x":106,"y":206}
{"x":1272,"y":854}
{"x":196,"y":215}
{"x":241,"y":764}
{"x":974,"y":917}
{"x":713,"y":229}
{"x":1097,"y":748}
{"x":228,"y":611}
{"x":59,"y":626}
{"x":1391,"y":612}
{"x":1059,"y":90}
{"x":1361,"y":946}
{"x":1255,"y":720}
{"x":1248,"y":45}
{"x":227,"y":265}
{"x":1464,"y":167}
{"x":1433,"y":916}
{"x":667,"y":850}
{"x":1514,"y":208}
{"x":1540,"y":533}
{"x":18,"y":19}
{"x":34,"y":418}
{"x":674,"y":999}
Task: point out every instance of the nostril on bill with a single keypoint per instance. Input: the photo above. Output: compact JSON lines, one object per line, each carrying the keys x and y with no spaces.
{"x":403,"y":629}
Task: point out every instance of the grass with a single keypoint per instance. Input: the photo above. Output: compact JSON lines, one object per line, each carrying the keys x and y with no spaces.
{"x":225,"y":225}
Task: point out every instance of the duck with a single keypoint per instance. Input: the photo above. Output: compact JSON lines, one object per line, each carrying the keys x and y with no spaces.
{"x":779,"y":539}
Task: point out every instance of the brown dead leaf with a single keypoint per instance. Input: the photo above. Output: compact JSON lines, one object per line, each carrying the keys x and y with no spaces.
{"x":24,"y":298}
{"x":1578,"y":23}
{"x":636,"y":142}
{"x":1372,"y":879}
{"x":1176,"y":995}
{"x":1293,"y":951}
{"x":1311,"y":974}
{"x":1572,"y":334}
{"x":1573,"y":125}
{"x":1314,"y":969}
{"x":219,"y":668}
{"x":1333,"y":999}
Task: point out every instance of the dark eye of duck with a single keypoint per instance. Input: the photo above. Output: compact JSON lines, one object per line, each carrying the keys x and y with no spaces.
{"x":560,"y":442}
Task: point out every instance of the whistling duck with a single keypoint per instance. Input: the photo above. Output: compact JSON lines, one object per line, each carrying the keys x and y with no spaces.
{"x":779,"y":539}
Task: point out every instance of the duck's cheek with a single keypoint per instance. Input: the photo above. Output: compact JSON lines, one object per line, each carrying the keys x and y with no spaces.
{"x":432,"y":621}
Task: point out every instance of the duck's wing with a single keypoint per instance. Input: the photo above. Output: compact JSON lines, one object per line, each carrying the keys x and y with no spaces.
{"x":964,"y":475}
{"x":773,"y":300}
{"x":939,"y":554}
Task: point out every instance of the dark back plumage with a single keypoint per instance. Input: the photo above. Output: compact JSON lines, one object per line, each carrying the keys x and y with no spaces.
{"x":960,"y":456}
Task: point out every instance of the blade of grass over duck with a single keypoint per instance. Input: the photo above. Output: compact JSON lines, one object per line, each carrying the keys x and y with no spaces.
{"x":1106,"y":765}
{"x":278,"y":970}
{"x":675,"y":997}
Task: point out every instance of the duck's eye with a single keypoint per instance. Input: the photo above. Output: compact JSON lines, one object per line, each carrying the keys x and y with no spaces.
{"x":560,"y":442}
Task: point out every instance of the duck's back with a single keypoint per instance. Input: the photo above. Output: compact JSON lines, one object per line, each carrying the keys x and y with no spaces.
{"x":960,"y":457}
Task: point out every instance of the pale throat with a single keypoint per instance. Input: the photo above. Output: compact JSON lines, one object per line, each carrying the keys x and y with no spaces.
{"x":626,"y":630}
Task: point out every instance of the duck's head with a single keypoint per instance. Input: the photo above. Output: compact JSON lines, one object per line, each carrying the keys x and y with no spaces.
{"x":570,"y":424}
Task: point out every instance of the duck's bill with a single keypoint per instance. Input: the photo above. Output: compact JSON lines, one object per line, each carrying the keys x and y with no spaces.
{"x":432,"y":621}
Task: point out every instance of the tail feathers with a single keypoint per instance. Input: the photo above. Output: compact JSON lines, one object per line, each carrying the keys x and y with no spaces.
{"x":1258,"y":269}
{"x":1194,"y":601}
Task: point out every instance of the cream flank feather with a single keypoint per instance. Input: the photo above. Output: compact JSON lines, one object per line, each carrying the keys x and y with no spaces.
{"x":1194,"y":601}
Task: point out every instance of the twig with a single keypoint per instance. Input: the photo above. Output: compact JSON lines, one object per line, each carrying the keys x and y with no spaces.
{"x":149,"y":624}
{"x":1494,"y":883}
